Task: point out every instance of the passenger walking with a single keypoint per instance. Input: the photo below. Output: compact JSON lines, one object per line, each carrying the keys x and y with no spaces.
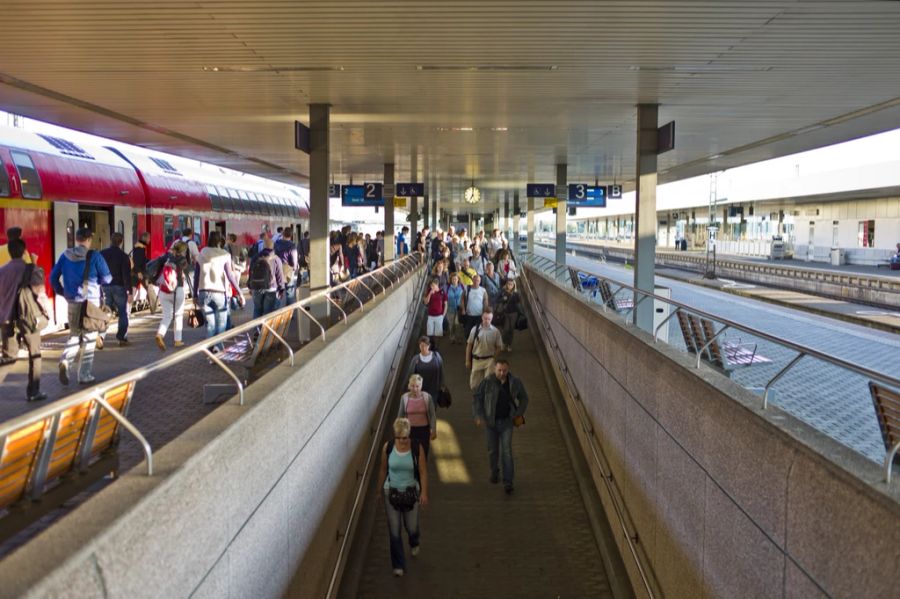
{"x":482,"y":347}
{"x":77,"y":276}
{"x":492,"y":282}
{"x":286,"y":250}
{"x":213,"y":273}
{"x":506,"y":265}
{"x":22,"y":314}
{"x":172,"y":281}
{"x":479,"y":260}
{"x":436,"y":300}
{"x":193,"y":253}
{"x":266,"y":280}
{"x":455,"y":296}
{"x":403,"y":485}
{"x":440,"y":273}
{"x":418,"y":406}
{"x":140,"y":258}
{"x":118,"y":292}
{"x":475,"y":302}
{"x":429,"y":365}
{"x":5,"y":255}
{"x":508,"y":309}
{"x":499,"y":405}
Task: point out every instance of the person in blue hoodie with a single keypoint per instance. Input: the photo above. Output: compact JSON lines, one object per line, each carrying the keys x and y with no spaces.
{"x":66,"y":279}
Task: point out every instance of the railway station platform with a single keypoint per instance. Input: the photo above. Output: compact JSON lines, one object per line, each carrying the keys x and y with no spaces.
{"x":639,"y":473}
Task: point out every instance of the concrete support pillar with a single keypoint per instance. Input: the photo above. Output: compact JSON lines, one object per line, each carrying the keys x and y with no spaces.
{"x":388,"y":213}
{"x":517,"y":210}
{"x":561,"y":212}
{"x":319,"y":271}
{"x":413,"y":201}
{"x":529,"y":224}
{"x":645,"y":211}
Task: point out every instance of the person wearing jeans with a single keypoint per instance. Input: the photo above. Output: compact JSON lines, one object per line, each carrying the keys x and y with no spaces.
{"x":118,"y":292}
{"x":266,"y":294}
{"x":403,"y":465}
{"x":211,"y":276}
{"x":499,"y":405}
{"x":171,"y":295}
{"x":66,"y":279}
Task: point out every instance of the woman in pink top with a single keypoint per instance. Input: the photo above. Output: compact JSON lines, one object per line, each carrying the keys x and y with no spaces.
{"x":418,"y":406}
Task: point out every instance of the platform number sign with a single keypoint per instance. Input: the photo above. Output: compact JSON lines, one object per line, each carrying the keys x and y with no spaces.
{"x":334,"y":190}
{"x":540,"y":190}
{"x":355,"y":195}
{"x":373,"y":192}
{"x":588,"y":196}
{"x":615,"y":192}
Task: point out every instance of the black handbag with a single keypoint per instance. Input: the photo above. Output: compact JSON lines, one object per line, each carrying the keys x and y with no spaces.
{"x":94,"y":319}
{"x":403,"y":500}
{"x":521,"y":322}
{"x":444,"y":399}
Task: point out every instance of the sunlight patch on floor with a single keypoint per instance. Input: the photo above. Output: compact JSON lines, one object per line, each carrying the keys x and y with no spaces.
{"x":448,"y":457}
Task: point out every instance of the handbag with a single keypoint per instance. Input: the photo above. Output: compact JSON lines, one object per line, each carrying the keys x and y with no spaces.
{"x":444,"y":398}
{"x":94,"y":318}
{"x":521,"y":322}
{"x":403,"y":500}
{"x":518,"y":421}
{"x":196,"y":318}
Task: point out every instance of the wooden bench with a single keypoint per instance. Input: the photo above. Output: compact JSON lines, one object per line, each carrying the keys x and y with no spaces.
{"x":245,"y":352}
{"x":887,"y":409}
{"x":611,"y":300}
{"x":44,"y":463}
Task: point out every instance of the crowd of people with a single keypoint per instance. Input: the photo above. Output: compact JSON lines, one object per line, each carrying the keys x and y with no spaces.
{"x":471,"y":298}
{"x":101,"y":285}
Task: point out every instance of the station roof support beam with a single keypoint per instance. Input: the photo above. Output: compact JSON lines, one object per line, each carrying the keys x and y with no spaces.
{"x":561,"y":212}
{"x":388,"y":255}
{"x":645,"y":211}
{"x":319,"y":169}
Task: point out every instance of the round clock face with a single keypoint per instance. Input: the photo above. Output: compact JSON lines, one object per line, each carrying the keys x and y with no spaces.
{"x":472,"y":195}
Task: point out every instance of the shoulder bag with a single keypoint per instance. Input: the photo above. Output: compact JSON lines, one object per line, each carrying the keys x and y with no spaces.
{"x":195,"y":316}
{"x":94,"y":319}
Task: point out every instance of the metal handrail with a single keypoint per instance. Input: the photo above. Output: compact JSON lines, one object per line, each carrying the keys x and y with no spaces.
{"x":201,"y":347}
{"x":798,"y":347}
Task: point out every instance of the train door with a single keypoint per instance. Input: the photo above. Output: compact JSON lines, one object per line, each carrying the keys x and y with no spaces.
{"x":218,"y":226}
{"x":97,"y":220}
{"x":65,"y":222}
{"x":124,"y":220}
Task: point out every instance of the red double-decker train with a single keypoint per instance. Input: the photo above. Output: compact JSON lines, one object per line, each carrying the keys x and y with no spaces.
{"x":50,"y":186}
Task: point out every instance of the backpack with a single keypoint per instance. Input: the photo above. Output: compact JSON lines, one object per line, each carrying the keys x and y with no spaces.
{"x":260,"y":273}
{"x":154,"y":267}
{"x":168,"y":278}
{"x":29,"y":315}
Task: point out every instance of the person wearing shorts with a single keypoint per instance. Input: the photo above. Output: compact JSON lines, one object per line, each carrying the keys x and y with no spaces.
{"x":436,"y":300}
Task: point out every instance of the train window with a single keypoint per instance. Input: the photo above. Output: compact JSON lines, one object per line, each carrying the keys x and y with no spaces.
{"x":120,"y":227}
{"x":227,"y":204}
{"x":214,"y":199}
{"x":134,"y":229}
{"x":70,"y":233}
{"x":28,"y":176}
{"x":168,"y":229}
{"x":283,"y":207}
{"x":239,"y":204}
{"x":4,"y":180}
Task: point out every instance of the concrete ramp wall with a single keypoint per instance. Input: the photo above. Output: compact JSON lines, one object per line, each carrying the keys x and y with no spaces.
{"x":248,"y":502}
{"x":724,"y":499}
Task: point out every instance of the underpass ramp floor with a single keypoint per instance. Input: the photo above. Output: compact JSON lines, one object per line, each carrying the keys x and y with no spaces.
{"x":475,"y":540}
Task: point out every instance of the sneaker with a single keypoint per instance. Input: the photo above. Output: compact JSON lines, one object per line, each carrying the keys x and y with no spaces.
{"x":160,"y":343}
{"x":87,"y":381}
{"x":508,"y":488}
{"x":7,"y":361}
{"x":495,"y":478}
{"x":99,"y":342}
{"x":124,"y":342}
{"x":179,"y":344}
{"x":398,"y":572}
{"x":37,"y":397}
{"x":64,"y":373}
{"x":414,"y":551}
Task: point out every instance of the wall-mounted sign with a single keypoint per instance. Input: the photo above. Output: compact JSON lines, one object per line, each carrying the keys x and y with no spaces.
{"x":301,"y":137}
{"x":334,"y":190}
{"x":614,"y":192}
{"x":410,"y":190}
{"x":374,"y":191}
{"x":550,"y":202}
{"x":399,"y":202}
{"x":540,"y":190}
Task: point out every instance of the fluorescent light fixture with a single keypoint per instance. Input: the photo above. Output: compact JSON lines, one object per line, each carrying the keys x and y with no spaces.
{"x":492,"y":68}
{"x":715,"y":156}
{"x":269,"y":69}
{"x":701,"y":68}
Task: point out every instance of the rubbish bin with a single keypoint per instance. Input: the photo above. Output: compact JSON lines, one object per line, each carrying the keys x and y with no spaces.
{"x":838,"y":257}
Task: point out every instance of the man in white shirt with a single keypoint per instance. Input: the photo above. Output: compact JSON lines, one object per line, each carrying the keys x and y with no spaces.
{"x":187,"y":236}
{"x":484,"y":343}
{"x":475,"y":302}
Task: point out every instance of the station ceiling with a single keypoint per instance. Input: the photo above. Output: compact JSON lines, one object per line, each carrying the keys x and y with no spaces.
{"x":491,"y":91}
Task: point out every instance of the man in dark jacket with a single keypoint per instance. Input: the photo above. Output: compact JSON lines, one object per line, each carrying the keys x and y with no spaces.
{"x":286,"y":251}
{"x":66,"y":280}
{"x":267,"y":292}
{"x":499,"y":403}
{"x":13,"y":276}
{"x":140,"y":257}
{"x":118,"y":292}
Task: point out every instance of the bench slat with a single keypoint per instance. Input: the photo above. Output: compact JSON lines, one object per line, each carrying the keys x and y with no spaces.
{"x":108,"y":427}
{"x":68,"y":438}
{"x":886,"y":402}
{"x":17,"y":461}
